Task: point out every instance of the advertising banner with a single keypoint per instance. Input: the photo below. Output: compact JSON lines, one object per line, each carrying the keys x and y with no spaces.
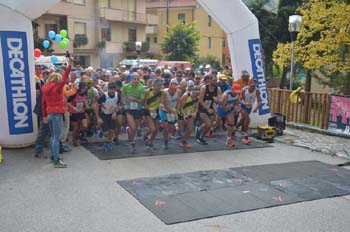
{"x":339,"y":114}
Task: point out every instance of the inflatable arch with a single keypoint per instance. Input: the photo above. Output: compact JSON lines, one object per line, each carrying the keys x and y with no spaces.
{"x":18,"y":126}
{"x":242,"y":29}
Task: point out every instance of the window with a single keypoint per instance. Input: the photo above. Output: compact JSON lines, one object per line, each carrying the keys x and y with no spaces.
{"x":50,"y":27}
{"x":181,"y":17}
{"x":106,"y":34}
{"x":209,"y":42}
{"x":209,"y":21}
{"x":163,"y":19}
{"x":223,"y":59}
{"x":132,"y":34}
{"x":79,"y":28}
{"x":155,"y":39}
{"x":223,"y":42}
{"x":148,"y":39}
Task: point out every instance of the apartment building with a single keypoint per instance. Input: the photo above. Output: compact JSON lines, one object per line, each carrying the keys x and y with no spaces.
{"x":170,"y":12}
{"x":103,"y":31}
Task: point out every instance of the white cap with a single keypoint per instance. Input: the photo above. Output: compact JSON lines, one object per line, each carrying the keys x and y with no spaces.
{"x":190,"y":83}
{"x":208,"y":66}
{"x":90,"y":68}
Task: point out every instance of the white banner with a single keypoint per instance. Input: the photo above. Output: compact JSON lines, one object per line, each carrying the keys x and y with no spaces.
{"x":18,"y":123}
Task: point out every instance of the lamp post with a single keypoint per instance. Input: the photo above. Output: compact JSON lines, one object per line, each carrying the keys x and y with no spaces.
{"x":294,"y":28}
{"x":138,"y":45}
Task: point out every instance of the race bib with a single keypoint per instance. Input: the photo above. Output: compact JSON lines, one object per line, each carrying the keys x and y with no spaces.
{"x":79,"y":106}
{"x":134,"y":105}
{"x":171,"y":117}
{"x":189,"y":113}
{"x":89,"y":102}
{"x":153,"y":114}
{"x":207,"y":103}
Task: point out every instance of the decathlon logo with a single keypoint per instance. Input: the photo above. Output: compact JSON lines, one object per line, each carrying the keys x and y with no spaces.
{"x":258,"y":69}
{"x":17,"y":81}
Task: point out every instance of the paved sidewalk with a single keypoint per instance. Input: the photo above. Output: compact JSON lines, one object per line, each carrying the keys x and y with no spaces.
{"x":332,"y":145}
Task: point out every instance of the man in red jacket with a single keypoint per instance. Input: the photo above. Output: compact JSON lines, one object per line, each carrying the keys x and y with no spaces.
{"x":53,"y":107}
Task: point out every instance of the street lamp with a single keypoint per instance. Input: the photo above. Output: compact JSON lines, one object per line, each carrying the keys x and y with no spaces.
{"x":294,"y":28}
{"x":138,"y":45}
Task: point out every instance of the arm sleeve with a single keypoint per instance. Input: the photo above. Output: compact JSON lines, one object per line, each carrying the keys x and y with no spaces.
{"x":64,"y":78}
{"x":43,"y":106}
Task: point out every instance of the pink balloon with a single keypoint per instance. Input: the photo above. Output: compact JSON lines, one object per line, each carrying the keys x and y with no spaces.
{"x":37,"y":52}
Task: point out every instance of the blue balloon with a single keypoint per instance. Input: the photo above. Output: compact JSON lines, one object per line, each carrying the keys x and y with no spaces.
{"x":46,"y":43}
{"x":52,"y":34}
{"x":53,"y":59}
{"x":58,"y":38}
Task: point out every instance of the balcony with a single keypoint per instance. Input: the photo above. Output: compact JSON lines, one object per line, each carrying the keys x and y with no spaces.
{"x":122,"y":15}
{"x":114,"y":47}
{"x":152,"y":19}
{"x":151,"y":30}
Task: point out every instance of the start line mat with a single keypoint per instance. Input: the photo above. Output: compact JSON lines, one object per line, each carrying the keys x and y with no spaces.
{"x":190,"y":196}
{"x":122,"y":150}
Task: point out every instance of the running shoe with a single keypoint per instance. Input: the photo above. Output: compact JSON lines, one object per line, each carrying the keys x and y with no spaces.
{"x":186,"y":145}
{"x":166,"y":144}
{"x":245,"y":140}
{"x":197,"y":132}
{"x":107,"y":147}
{"x":201,"y":141}
{"x":100,"y":132}
{"x":230,"y":143}
{"x":133,"y":148}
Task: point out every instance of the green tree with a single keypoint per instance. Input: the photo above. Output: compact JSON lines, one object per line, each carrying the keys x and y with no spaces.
{"x":323,"y":44}
{"x":209,"y":59}
{"x":181,"y":42}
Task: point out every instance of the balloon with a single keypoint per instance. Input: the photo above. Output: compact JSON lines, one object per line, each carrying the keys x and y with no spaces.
{"x":66,"y":40}
{"x":63,"y":44}
{"x":52,"y":34}
{"x":46,"y":43}
{"x":58,"y":38}
{"x":63,"y":33}
{"x":53,"y":59}
{"x":37,"y":52}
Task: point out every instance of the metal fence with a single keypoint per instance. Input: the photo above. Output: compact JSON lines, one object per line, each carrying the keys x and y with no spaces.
{"x":311,"y":108}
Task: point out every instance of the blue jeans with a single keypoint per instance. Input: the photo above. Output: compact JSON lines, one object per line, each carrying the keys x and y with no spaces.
{"x":56,"y":126}
{"x":44,"y":131}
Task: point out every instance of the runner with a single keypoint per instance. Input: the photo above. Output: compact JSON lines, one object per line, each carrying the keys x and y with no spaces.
{"x":150,"y":111}
{"x":133,"y":98}
{"x":227,"y":108}
{"x":209,"y":94}
{"x":168,"y":109}
{"x":76,"y":105}
{"x":247,"y":99}
{"x":106,"y":109}
{"x":189,"y":108}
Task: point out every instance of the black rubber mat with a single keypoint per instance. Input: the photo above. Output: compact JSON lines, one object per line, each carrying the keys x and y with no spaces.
{"x":123,"y":150}
{"x":190,"y":196}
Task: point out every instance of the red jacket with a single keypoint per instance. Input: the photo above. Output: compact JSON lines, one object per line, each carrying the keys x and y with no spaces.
{"x":53,"y":100}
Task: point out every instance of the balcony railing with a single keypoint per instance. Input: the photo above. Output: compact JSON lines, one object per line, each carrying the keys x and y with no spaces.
{"x":122,"y":15}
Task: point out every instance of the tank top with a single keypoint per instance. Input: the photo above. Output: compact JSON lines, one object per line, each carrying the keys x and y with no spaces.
{"x":208,"y":97}
{"x":78,"y":104}
{"x":249,"y":98}
{"x":189,"y":105}
{"x":231,"y":100}
{"x":172,"y":99}
{"x":111,"y":104}
{"x":154,"y":99}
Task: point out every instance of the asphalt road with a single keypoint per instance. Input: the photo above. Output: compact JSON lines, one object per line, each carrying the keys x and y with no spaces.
{"x":85,"y":197}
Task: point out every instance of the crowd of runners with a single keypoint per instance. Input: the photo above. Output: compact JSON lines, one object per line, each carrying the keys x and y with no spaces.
{"x":141,"y":102}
